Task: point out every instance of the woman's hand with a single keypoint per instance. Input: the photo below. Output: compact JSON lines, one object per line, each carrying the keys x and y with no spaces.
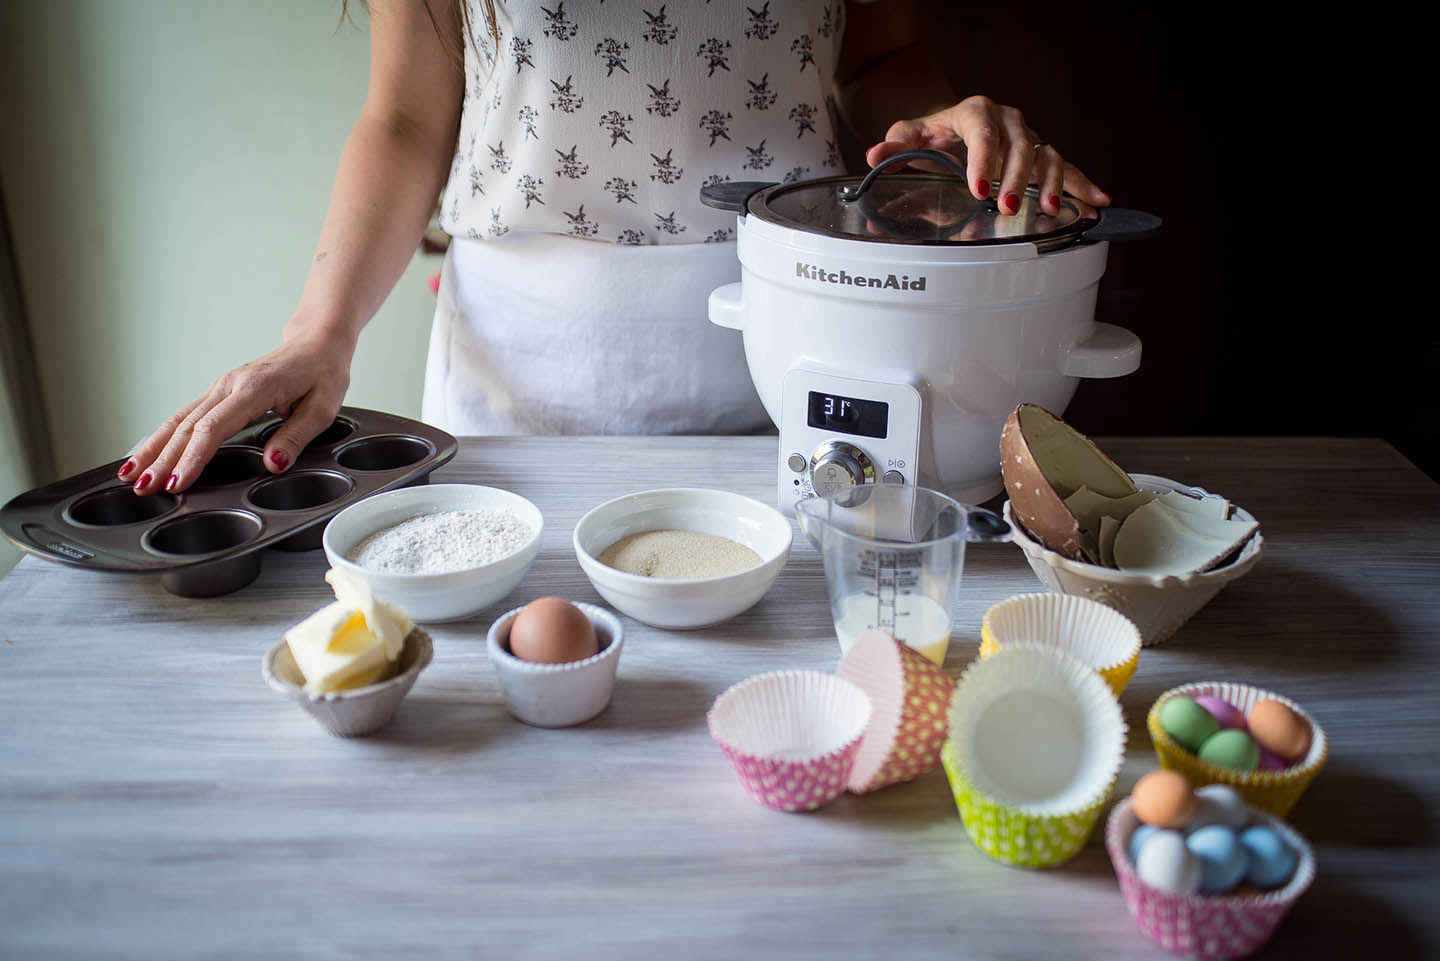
{"x":1003,"y":155}
{"x":304,"y":381}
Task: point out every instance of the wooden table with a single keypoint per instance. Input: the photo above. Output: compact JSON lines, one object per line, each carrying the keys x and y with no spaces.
{"x":159,"y":801}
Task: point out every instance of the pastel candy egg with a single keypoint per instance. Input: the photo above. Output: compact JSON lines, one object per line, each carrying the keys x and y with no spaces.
{"x":1279,"y":729}
{"x":1220,"y":804}
{"x":1269,"y":762}
{"x":1272,"y":862}
{"x":1187,"y":722}
{"x":1227,"y":715}
{"x":1166,"y":864}
{"x":1223,"y":859}
{"x":1164,"y":799}
{"x":1138,"y":837}
{"x":1235,"y":750}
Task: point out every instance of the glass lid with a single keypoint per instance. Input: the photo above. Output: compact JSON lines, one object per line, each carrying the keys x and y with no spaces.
{"x":917,"y":208}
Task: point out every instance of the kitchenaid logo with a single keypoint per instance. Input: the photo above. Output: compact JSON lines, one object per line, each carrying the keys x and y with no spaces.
{"x":890,"y":282}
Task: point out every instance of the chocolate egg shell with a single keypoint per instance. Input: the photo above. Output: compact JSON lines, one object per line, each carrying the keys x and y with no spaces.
{"x":1187,"y":722}
{"x":1279,"y":730}
{"x":1164,"y":799}
{"x":1231,"y":749}
{"x":1043,"y":461}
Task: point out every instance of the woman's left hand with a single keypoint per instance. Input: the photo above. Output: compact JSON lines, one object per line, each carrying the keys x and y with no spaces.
{"x":1003,"y":155}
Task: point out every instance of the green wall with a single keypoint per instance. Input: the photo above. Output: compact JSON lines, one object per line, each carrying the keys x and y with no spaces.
{"x":167,"y":167}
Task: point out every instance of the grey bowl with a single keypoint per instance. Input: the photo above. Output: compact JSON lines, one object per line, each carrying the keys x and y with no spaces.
{"x":352,"y":713}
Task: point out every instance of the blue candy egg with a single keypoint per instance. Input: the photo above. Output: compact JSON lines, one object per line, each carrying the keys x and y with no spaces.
{"x":1272,"y":862}
{"x":1138,"y":838}
{"x":1223,"y":859}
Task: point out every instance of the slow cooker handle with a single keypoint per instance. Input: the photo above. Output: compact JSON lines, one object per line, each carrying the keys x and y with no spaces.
{"x":732,"y":195}
{"x":852,"y":192}
{"x":1121,"y":223}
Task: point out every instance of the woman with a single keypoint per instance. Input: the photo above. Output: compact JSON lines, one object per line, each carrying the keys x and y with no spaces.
{"x":571,"y":140}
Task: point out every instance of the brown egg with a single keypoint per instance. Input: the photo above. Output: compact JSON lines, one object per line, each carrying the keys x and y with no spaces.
{"x":1279,"y":729}
{"x":1164,"y":799}
{"x":551,"y":630}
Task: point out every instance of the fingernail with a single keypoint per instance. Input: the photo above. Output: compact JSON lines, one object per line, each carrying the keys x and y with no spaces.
{"x":125,"y":468}
{"x":1055,"y":201}
{"x":1012,"y":202}
{"x":143,"y":482}
{"x":982,"y":187}
{"x":170,"y":484}
{"x":280,"y":459}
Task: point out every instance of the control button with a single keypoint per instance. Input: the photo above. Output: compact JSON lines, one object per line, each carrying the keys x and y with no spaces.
{"x":893,"y":477}
{"x":797,"y":462}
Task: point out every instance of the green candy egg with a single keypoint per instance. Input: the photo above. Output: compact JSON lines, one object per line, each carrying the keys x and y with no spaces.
{"x":1187,"y":722}
{"x":1231,"y":749}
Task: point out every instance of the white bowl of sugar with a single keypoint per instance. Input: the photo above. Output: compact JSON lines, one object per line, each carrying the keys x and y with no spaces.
{"x":439,"y":552}
{"x":682,"y":557}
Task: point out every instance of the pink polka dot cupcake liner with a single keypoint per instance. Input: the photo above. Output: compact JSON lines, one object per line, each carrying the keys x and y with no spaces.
{"x":791,"y":736}
{"x":909,"y":699}
{"x":1215,"y":927}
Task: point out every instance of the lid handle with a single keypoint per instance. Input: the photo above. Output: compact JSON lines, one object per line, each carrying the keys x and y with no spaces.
{"x":852,"y":192}
{"x":1121,"y":223}
{"x":732,"y":195}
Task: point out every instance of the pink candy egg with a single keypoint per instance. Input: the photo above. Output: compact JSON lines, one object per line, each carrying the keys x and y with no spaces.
{"x":1271,"y":762}
{"x":1229,"y":716}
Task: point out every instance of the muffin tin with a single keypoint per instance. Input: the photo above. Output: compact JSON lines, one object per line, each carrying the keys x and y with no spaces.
{"x":206,"y":540}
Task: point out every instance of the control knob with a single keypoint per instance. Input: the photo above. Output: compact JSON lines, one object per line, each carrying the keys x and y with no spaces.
{"x":836,"y":465}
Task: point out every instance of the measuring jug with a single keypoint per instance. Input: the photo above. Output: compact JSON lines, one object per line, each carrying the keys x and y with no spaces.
{"x":893,"y":556}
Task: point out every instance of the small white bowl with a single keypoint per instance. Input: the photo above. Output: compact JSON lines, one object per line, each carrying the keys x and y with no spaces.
{"x":557,"y":695}
{"x":684,"y":602}
{"x":1159,"y":606}
{"x":433,"y":597}
{"x":361,"y":710}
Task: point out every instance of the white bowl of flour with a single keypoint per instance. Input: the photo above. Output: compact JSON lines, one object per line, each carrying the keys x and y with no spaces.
{"x":684,"y":602}
{"x":439,"y":552}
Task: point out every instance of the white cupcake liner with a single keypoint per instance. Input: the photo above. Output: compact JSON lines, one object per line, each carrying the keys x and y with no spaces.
{"x":791,"y":736}
{"x":1094,"y":633}
{"x":910,"y":700}
{"x":1037,"y":731}
{"x":557,"y":695}
{"x":361,"y":710}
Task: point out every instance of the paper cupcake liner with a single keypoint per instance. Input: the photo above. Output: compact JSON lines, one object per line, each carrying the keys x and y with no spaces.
{"x":1213,"y":927}
{"x":1036,"y":745}
{"x":1095,"y":633}
{"x":356,"y":712}
{"x":791,"y":736}
{"x":909,"y":699}
{"x":1272,"y":791}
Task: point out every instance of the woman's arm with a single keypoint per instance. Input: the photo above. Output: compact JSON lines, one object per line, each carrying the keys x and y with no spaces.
{"x":393,"y":166}
{"x":885,"y":72}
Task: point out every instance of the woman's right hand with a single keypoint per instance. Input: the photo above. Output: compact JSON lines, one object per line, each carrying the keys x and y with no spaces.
{"x":304,"y":380}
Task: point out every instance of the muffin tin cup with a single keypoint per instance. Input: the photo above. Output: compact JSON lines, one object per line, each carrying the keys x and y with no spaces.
{"x":791,"y":736}
{"x":1098,"y":635}
{"x":1273,"y":791}
{"x":357,"y":712}
{"x":557,"y":695}
{"x":909,"y":698}
{"x":1010,"y":718}
{"x":192,"y":539}
{"x":1212,"y":927}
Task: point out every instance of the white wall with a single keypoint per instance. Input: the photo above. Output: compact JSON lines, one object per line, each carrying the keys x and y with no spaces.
{"x":167,"y":167}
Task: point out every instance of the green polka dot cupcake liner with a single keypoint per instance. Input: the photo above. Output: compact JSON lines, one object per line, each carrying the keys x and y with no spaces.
{"x":1037,"y":740}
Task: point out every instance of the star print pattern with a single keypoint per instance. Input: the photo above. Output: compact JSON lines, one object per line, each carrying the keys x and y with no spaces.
{"x":599,"y":120}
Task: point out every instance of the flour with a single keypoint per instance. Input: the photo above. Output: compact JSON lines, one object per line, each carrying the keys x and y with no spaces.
{"x":443,"y":542}
{"x":678,"y":554}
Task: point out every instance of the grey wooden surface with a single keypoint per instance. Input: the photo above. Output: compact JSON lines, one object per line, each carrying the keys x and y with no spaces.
{"x":159,"y":801}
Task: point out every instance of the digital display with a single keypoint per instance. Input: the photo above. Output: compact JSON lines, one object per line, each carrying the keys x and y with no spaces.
{"x":848,"y":415}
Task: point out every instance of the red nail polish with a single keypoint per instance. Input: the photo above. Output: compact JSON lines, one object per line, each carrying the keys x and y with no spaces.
{"x":1055,"y":201}
{"x":170,"y":484}
{"x":143,"y":482}
{"x":1012,"y":202}
{"x":125,"y":468}
{"x":983,"y":187}
{"x":280,"y":459}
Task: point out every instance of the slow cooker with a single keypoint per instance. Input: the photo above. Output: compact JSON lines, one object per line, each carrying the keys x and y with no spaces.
{"x":891,"y":323}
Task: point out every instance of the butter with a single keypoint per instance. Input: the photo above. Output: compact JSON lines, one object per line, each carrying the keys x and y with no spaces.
{"x":352,"y":642}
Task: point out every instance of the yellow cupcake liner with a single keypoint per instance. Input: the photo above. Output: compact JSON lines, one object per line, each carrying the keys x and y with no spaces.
{"x":1097,"y":634}
{"x":1275,"y":792}
{"x":1013,"y":837}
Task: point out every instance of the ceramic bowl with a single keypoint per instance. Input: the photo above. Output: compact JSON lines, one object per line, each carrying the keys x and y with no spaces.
{"x":1159,"y":606}
{"x":434,"y":597}
{"x":691,"y":602}
{"x":557,"y":695}
{"x":362,"y":710}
